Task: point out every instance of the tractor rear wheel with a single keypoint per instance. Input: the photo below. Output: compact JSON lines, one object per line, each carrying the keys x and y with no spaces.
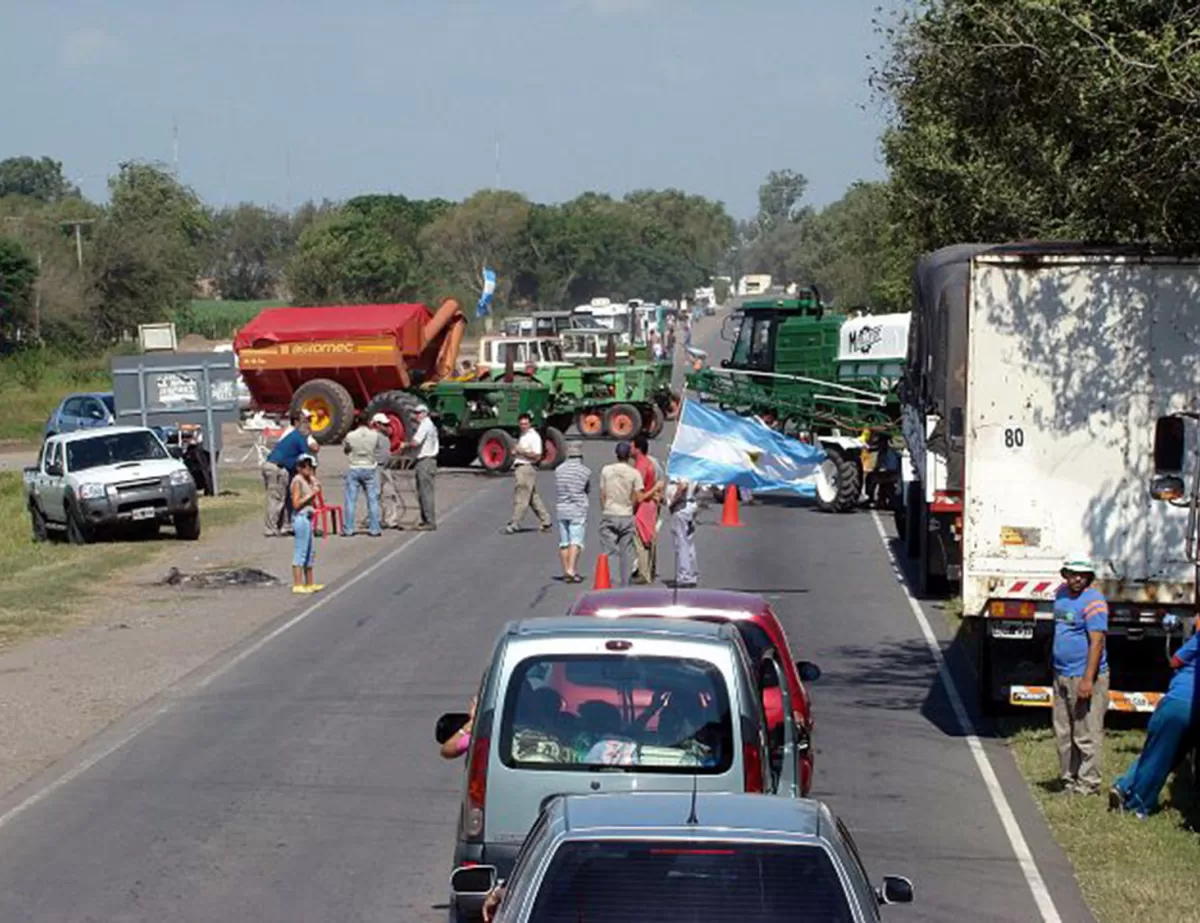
{"x":622,"y":421}
{"x":330,"y":406}
{"x":400,"y":408}
{"x":554,"y":451}
{"x":839,"y":482}
{"x":590,"y":422}
{"x":653,"y":421}
{"x":496,"y":451}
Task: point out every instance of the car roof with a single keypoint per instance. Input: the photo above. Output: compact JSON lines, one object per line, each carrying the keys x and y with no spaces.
{"x":569,"y":626}
{"x":97,"y":394}
{"x":716,"y":813}
{"x":663,"y":601}
{"x":80,"y":435}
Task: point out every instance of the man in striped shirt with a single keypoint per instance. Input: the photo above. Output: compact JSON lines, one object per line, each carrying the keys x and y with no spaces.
{"x":573,"y":484}
{"x":1080,"y":676}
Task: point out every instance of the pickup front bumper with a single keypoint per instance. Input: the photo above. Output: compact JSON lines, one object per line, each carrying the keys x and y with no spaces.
{"x":160,"y":502}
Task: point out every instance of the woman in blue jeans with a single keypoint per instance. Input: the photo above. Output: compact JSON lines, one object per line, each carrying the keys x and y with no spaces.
{"x":1170,"y":729}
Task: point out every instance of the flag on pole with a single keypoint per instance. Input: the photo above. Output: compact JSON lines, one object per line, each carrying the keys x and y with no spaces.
{"x":713,"y":447}
{"x":484,"y":307}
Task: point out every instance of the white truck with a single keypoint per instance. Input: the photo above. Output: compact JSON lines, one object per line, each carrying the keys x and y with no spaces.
{"x":1037,"y":378}
{"x":94,"y":479}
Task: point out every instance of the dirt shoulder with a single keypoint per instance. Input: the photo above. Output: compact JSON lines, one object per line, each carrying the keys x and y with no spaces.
{"x":130,"y":637}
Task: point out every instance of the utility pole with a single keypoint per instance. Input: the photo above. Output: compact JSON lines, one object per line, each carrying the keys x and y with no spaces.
{"x":78,"y":223}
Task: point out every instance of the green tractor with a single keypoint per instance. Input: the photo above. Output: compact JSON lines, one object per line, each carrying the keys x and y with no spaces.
{"x":820,"y":376}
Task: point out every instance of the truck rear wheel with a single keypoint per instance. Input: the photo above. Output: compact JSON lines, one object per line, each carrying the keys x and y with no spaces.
{"x":653,"y":421}
{"x":590,"y":422}
{"x":622,"y":421}
{"x":839,"y":482}
{"x":400,"y":408}
{"x":331,"y":407}
{"x":554,"y":451}
{"x":496,"y":451}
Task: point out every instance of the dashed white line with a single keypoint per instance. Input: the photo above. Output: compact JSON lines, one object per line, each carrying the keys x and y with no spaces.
{"x":1016,"y":839}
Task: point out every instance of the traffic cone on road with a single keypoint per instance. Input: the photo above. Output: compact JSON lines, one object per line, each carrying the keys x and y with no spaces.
{"x":729,"y":515}
{"x":603,"y":580}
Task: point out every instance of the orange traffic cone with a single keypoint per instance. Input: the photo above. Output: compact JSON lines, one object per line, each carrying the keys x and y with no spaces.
{"x":729,"y":515}
{"x":603,"y":580}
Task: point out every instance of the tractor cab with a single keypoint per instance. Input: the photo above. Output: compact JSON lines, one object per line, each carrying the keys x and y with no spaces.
{"x":786,"y":336}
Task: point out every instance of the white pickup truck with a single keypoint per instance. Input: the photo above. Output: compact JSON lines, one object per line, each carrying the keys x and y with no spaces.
{"x":93,"y":479}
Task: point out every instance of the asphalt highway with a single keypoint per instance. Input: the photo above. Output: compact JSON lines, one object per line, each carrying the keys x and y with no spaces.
{"x":296,"y":778}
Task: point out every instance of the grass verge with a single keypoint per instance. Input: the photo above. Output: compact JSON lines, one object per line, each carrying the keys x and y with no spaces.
{"x":41,"y":584}
{"x":34,"y":382}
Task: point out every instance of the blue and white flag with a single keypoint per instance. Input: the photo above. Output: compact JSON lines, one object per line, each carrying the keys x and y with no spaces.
{"x":489,"y":290}
{"x":712,"y":447}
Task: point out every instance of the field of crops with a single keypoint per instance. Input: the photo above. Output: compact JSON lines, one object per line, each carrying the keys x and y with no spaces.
{"x":216,"y":320}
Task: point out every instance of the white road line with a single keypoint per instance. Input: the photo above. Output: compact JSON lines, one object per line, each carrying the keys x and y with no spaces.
{"x":75,"y":772}
{"x":1033,"y":877}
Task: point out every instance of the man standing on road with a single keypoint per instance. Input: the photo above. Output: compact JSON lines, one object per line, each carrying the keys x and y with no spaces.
{"x":425,"y":446}
{"x":389,"y":491}
{"x":645,"y":536}
{"x":361,"y":444}
{"x":620,"y":485}
{"x":1080,"y":676}
{"x":525,"y":495}
{"x":572,"y":481}
{"x":278,"y":470}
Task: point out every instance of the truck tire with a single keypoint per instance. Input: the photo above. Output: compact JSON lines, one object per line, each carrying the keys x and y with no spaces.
{"x":331,"y":406}
{"x":839,"y":482}
{"x":929,"y":584}
{"x":554,"y":451}
{"x":37,"y":520}
{"x":622,"y":421}
{"x":78,"y":531}
{"x":496,"y":451}
{"x":653,"y":421}
{"x":400,"y":408}
{"x":590,"y":422}
{"x":187,"y":526}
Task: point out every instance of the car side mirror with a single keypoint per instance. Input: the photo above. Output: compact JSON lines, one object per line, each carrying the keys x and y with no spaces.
{"x":450,"y":724}
{"x":808,"y":671}
{"x":473,"y":879}
{"x":896,"y":890}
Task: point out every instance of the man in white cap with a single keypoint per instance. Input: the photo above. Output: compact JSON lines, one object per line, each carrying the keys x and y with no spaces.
{"x":1080,"y":675}
{"x":424,"y":445}
{"x":389,"y":491}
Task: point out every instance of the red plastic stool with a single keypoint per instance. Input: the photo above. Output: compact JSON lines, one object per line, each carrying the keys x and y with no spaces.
{"x":326,"y":512}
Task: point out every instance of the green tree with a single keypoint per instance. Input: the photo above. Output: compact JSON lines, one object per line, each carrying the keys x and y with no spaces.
{"x":1044,"y":118}
{"x":250,"y":246}
{"x":779,"y":198}
{"x":18,"y":273}
{"x":345,"y":257}
{"x":488,"y":229}
{"x":35,"y":178}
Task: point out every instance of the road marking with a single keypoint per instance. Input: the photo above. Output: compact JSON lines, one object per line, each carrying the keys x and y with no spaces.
{"x":1016,"y":839}
{"x":75,"y":772}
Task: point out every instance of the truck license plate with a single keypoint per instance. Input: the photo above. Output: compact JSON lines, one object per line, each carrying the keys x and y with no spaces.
{"x":144,"y":512}
{"x":1013,"y":632}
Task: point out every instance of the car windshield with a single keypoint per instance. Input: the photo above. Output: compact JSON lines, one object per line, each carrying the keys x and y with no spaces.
{"x":643,"y":714}
{"x":112,"y":449}
{"x":108,"y":402}
{"x":633,"y":881}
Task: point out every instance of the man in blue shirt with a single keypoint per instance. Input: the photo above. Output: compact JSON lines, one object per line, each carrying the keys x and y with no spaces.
{"x":1167,"y":737}
{"x":278,"y":471}
{"x":1080,"y":676}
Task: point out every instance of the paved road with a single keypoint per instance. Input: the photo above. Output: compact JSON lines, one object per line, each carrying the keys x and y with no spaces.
{"x":301,"y":781}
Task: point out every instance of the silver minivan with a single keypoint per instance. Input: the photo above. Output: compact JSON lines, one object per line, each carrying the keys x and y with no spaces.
{"x":583,"y":706}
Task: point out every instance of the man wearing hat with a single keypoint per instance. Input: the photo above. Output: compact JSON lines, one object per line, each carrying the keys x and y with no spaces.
{"x":389,"y":491}
{"x":424,"y":446}
{"x":1080,"y":675}
{"x":573,"y":483}
{"x":360,"y":445}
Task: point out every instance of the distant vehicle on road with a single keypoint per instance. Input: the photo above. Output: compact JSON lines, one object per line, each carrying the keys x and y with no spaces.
{"x":762,"y":633}
{"x":571,"y":705}
{"x":89,"y":480}
{"x":712,"y":858}
{"x":85,"y":410}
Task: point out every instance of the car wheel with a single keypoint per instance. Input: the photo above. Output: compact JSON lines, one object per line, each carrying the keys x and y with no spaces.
{"x":37,"y":520}
{"x":187,"y":526}
{"x":78,"y":531}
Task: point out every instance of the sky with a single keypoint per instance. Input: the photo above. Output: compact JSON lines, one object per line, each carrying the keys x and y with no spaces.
{"x":278,"y":102}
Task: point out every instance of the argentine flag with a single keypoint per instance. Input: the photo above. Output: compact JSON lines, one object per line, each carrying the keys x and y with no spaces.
{"x":489,"y":290}
{"x":712,"y":447}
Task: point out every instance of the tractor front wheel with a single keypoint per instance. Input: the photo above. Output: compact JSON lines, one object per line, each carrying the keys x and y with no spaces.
{"x":496,"y":451}
{"x":622,"y":421}
{"x":554,"y":449}
{"x":590,"y":422}
{"x":839,"y":482}
{"x":653,"y":421}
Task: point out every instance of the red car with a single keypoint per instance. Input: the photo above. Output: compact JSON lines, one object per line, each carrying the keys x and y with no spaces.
{"x":759,"y":628}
